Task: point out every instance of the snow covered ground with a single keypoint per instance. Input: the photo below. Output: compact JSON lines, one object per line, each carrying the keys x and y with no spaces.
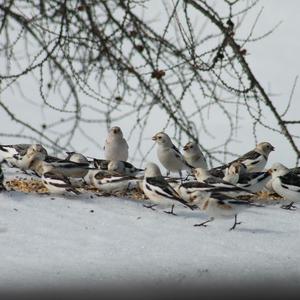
{"x":51,"y":241}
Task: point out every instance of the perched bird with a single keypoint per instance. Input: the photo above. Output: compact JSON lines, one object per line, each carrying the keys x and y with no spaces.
{"x":158,"y":190}
{"x":57,"y":183}
{"x":2,"y":187}
{"x":217,"y":205}
{"x":119,"y":166}
{"x":203,"y":175}
{"x":116,"y":147}
{"x":168,"y":155}
{"x":254,"y":160}
{"x":286,"y":184}
{"x":77,"y":157}
{"x":21,"y":155}
{"x":111,"y":182}
{"x":193,"y":156}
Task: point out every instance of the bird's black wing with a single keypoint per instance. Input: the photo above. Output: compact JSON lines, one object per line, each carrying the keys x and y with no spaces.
{"x":290,"y":179}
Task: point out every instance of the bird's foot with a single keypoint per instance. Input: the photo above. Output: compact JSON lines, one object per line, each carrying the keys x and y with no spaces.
{"x":170,"y":212}
{"x":203,"y":224}
{"x":290,"y":206}
{"x":150,"y":206}
{"x":234,"y":225}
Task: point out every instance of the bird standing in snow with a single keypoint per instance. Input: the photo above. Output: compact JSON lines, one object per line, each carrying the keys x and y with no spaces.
{"x":217,"y":205}
{"x":286,"y":184}
{"x":112,"y":182}
{"x":116,"y":147}
{"x":158,"y":190}
{"x":193,"y":156}
{"x":57,"y":183}
{"x":168,"y":155}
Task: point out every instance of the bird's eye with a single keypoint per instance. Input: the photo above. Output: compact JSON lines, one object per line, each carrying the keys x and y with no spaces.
{"x":191,"y":147}
{"x":159,"y":137}
{"x":275,"y":170}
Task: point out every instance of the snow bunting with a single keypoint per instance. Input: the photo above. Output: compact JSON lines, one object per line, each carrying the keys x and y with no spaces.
{"x":193,"y":155}
{"x":76,"y":157}
{"x":203,"y":175}
{"x":254,"y":160}
{"x":110,"y":183}
{"x":2,"y":187}
{"x":116,"y":147}
{"x":21,"y":155}
{"x":63,"y":167}
{"x":168,"y":155}
{"x":286,"y":184}
{"x":254,"y":182}
{"x":119,"y":166}
{"x":158,"y":190}
{"x":58,"y":184}
{"x":217,"y":205}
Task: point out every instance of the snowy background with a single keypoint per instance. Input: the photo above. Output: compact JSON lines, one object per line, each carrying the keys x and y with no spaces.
{"x":51,"y":241}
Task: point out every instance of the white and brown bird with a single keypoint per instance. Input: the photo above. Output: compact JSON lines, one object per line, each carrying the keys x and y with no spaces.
{"x":21,"y":155}
{"x":116,"y":147}
{"x":217,"y":205}
{"x":158,"y":190}
{"x":194,"y":156}
{"x":168,"y":155}
{"x":76,"y":157}
{"x":254,"y":160}
{"x":286,"y":183}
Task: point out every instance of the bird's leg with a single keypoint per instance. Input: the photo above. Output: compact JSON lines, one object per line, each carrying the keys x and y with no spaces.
{"x":150,"y":206}
{"x":290,"y":206}
{"x":180,"y":175}
{"x":204,"y":223}
{"x":235,"y":223}
{"x":171,"y":212}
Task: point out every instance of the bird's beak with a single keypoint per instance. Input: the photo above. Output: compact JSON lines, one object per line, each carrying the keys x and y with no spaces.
{"x":154,"y":138}
{"x":269,"y":171}
{"x":273,"y":148}
{"x":185,"y":147}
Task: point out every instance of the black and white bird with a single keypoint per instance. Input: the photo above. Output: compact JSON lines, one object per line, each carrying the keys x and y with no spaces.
{"x":2,"y":186}
{"x":21,"y":155}
{"x":254,"y":160}
{"x":57,"y":183}
{"x":194,"y":156}
{"x":203,"y":175}
{"x":168,"y":155}
{"x":286,"y":184}
{"x":217,"y":205}
{"x":119,"y":166}
{"x":112,"y":182}
{"x":158,"y":190}
{"x":254,"y":181}
{"x":116,"y":147}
